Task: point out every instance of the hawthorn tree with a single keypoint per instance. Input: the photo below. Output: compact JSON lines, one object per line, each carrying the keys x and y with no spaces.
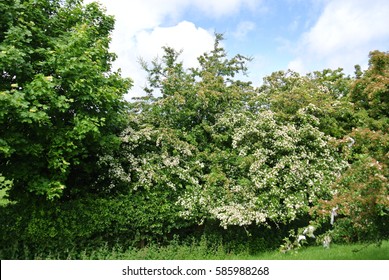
{"x":165,"y":147}
{"x":61,"y":105}
{"x":263,"y":171}
{"x":286,"y":92}
{"x":211,"y":149}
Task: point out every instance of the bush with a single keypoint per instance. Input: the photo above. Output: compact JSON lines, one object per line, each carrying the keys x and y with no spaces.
{"x":88,"y":222}
{"x":361,"y":199}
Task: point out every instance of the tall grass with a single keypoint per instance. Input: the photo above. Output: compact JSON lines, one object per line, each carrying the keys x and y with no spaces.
{"x":202,"y":251}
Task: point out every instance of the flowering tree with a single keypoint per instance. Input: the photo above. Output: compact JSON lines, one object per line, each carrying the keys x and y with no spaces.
{"x":286,"y":92}
{"x":263,"y":171}
{"x":168,"y":136}
{"x":213,"y":151}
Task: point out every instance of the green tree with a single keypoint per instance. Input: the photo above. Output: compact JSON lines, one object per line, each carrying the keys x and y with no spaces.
{"x":166,"y":146}
{"x":287,"y":92}
{"x":370,"y":92}
{"x":192,"y":98}
{"x":361,"y":193}
{"x":262,"y":171}
{"x":210,"y":141}
{"x":60,"y":103}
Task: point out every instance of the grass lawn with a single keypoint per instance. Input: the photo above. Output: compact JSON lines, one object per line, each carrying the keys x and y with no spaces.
{"x":336,"y":252}
{"x":199,"y":252}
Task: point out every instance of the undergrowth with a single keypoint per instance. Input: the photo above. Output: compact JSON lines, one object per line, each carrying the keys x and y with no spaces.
{"x":203,"y":250}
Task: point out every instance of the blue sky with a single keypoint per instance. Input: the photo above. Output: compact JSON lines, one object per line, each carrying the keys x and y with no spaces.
{"x":302,"y":35}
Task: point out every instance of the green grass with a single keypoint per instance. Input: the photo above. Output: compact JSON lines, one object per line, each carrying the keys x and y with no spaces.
{"x":204,"y":249}
{"x":200,"y":251}
{"x":336,"y":252}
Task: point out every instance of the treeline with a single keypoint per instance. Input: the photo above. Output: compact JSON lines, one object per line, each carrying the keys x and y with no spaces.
{"x":202,"y":154}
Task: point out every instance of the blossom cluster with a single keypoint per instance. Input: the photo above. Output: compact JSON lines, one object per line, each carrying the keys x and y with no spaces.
{"x":271,"y":172}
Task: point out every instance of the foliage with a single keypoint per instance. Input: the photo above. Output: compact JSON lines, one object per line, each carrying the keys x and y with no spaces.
{"x":263,"y":171}
{"x":131,"y":220}
{"x":370,"y":92}
{"x":361,"y":194}
{"x":297,"y":239}
{"x":200,"y":250}
{"x":60,"y":103}
{"x":368,"y":142}
{"x":4,"y":183}
{"x":238,"y":166}
{"x":225,"y":166}
{"x":286,"y":92}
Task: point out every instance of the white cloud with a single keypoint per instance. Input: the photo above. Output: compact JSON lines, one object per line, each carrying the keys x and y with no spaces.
{"x":185,"y":36}
{"x":144,"y":10}
{"x":139,"y":32}
{"x":343,"y":35}
{"x":243,"y":29}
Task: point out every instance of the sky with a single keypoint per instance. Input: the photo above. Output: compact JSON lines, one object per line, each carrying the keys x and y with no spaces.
{"x":301,"y":35}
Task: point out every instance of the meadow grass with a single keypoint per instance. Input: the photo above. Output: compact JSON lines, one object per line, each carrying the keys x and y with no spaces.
{"x":201,"y":251}
{"x":335,"y":252}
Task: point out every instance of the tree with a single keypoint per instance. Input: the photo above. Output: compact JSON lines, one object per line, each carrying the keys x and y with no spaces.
{"x":192,"y":98}
{"x":361,"y":193}
{"x":370,"y":92}
{"x":60,"y":103}
{"x":361,"y":199}
{"x":262,"y":171}
{"x":210,"y":141}
{"x":286,"y":92}
{"x":168,"y":137}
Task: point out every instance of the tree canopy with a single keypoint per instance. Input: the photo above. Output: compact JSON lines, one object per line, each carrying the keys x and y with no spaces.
{"x":60,"y":103}
{"x":212,"y":142}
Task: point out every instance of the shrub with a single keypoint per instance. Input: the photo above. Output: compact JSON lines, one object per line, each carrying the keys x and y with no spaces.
{"x":362,"y":202}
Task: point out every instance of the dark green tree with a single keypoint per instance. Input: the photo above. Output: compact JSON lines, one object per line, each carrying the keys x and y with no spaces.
{"x":61,"y":105}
